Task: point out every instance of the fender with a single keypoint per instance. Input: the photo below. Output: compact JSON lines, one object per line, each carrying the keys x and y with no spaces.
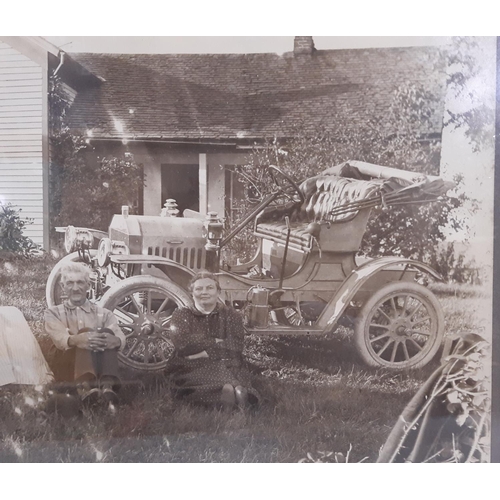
{"x":175,"y":272}
{"x":96,"y":233}
{"x":339,"y":302}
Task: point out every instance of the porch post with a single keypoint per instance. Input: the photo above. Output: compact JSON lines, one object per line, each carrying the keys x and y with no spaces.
{"x":203,"y":183}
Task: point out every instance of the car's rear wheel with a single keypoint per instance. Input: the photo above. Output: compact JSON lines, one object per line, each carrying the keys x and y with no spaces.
{"x":144,"y":306}
{"x":400,"y":326}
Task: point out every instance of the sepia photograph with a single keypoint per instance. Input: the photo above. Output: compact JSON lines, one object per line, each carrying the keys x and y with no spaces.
{"x":267,"y":249}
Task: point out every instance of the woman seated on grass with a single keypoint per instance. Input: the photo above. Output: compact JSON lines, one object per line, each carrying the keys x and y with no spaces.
{"x":208,"y":338}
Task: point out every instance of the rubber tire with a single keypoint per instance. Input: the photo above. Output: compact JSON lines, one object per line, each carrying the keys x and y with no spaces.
{"x":55,"y":277}
{"x":430,"y":301}
{"x":135,"y":284}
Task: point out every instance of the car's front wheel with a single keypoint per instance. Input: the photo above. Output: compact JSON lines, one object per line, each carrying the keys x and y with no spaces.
{"x":144,"y":306}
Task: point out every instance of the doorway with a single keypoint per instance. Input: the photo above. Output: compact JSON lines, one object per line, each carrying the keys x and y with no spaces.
{"x":181,"y":182}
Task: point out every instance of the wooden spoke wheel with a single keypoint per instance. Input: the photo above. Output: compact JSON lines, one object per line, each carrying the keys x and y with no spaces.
{"x":143,"y":306}
{"x":400,"y":326}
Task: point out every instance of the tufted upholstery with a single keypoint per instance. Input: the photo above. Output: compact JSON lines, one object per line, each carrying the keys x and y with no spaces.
{"x":322,"y":194}
{"x":329,"y":192}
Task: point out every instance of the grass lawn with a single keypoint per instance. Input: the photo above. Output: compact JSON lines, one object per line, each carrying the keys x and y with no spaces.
{"x":317,"y":398}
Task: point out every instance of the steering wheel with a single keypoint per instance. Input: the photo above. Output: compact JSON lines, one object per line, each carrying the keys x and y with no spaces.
{"x":276,"y":174}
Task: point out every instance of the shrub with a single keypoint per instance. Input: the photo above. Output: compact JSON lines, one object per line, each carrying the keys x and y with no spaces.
{"x":94,"y":189}
{"x":453,"y":266}
{"x":12,"y":240}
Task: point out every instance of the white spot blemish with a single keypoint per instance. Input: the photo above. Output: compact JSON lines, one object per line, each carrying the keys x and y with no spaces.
{"x":29,"y":401}
{"x":118,"y":126}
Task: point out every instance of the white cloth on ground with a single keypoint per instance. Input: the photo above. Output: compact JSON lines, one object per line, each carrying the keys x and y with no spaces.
{"x":21,"y":359}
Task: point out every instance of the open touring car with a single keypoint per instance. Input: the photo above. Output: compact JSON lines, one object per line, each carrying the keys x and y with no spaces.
{"x":304,"y":279}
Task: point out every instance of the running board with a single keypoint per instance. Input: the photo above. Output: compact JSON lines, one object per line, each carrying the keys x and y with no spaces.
{"x":286,"y":330}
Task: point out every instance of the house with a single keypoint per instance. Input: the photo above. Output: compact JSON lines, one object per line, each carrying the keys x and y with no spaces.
{"x":186,"y":118}
{"x":25,"y":66}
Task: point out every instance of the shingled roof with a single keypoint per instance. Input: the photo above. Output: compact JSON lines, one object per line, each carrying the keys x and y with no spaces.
{"x":245,"y":96}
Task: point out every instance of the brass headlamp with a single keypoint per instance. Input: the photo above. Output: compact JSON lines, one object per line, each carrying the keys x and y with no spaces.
{"x":214,"y":230}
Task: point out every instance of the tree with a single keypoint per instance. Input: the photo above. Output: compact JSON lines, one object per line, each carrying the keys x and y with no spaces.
{"x":473,"y":107}
{"x":86,"y":190}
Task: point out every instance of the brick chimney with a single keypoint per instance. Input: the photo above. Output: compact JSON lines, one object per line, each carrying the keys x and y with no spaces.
{"x":303,"y":45}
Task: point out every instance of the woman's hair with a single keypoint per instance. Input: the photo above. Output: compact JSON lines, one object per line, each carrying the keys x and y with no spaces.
{"x":203,"y":275}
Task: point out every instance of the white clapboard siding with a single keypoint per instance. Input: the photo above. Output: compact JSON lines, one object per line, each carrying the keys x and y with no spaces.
{"x":17,"y":64}
{"x":30,"y":212}
{"x":20,"y":86}
{"x":9,"y":107}
{"x":26,"y":132}
{"x":21,"y":155}
{"x":12,"y":84}
{"x":12,"y":73}
{"x":13,"y":181}
{"x":21,"y":119}
{"x":10,"y":96}
{"x":24,"y":105}
{"x":25,"y":195}
{"x":20,"y":149}
{"x":35,"y":123}
{"x":6,"y":170}
{"x":25,"y":199}
{"x":21,"y":166}
{"x":5,"y":113}
{"x":19,"y":142}
{"x":25,"y":163}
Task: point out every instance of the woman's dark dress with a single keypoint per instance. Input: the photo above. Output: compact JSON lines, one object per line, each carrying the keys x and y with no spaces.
{"x":192,"y":332}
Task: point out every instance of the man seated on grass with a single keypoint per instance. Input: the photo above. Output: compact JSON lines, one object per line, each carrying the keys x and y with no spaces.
{"x":87,"y":338}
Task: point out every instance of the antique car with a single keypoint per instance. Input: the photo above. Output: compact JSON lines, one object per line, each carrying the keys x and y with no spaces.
{"x":305,"y":278}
